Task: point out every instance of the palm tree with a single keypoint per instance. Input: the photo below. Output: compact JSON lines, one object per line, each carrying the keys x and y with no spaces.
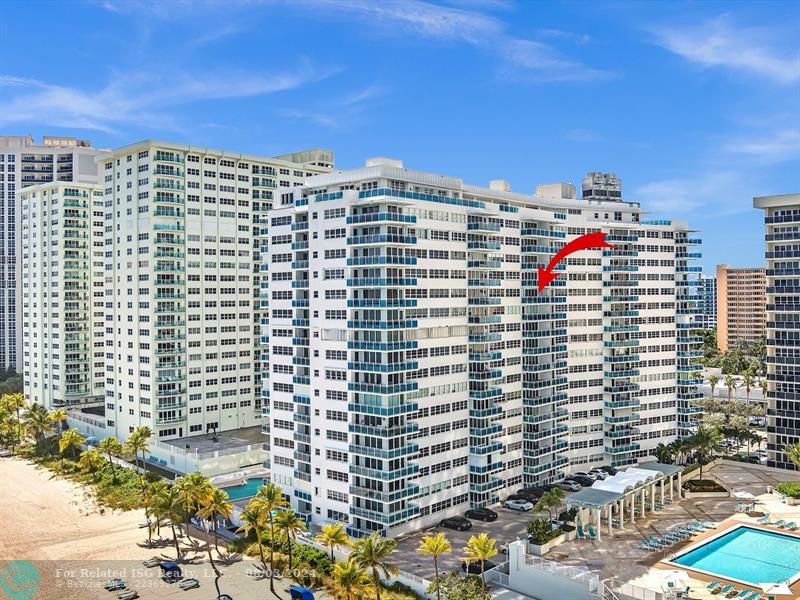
{"x":713,"y":380}
{"x":792,"y":452}
{"x":730,"y":383}
{"x":289,"y":523}
{"x":434,"y":546}
{"x":91,"y":460}
{"x":137,"y":442}
{"x":349,"y":581}
{"x":111,"y":447}
{"x":550,"y":500}
{"x":480,"y":548}
{"x":372,"y":553}
{"x":703,"y":443}
{"x":150,"y":499}
{"x":664,"y":453}
{"x":764,"y":385}
{"x":70,"y":442}
{"x":58,"y":417}
{"x":192,"y":490}
{"x":13,"y":403}
{"x":37,"y":422}
{"x":270,"y":498}
{"x":333,"y":536}
{"x":169,"y":506}
{"x":253,"y":519}
{"x":748,"y":381}
{"x":215,"y":505}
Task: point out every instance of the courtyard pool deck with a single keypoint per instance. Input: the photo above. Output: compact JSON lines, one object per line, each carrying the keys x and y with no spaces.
{"x":621,"y":557}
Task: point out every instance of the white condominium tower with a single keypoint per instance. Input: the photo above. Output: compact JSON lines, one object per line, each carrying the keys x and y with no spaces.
{"x":782,"y":236}
{"x":415,"y":370}
{"x":182,"y":284}
{"x":23,"y":163}
{"x":62,"y":293}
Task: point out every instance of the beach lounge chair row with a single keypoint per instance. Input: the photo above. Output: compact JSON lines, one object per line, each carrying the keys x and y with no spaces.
{"x":730,"y":591}
{"x":780,"y":523}
{"x":680,"y":533}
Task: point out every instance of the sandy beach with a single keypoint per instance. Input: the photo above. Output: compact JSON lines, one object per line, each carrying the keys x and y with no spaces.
{"x":56,"y":525}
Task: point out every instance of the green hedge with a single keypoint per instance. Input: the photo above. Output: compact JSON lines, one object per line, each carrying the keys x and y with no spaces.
{"x":789,"y":488}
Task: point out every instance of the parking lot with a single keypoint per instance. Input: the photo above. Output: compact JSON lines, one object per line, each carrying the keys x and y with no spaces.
{"x":510,"y":525}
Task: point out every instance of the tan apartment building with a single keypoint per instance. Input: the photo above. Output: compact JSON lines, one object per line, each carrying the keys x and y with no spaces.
{"x":741,"y":305}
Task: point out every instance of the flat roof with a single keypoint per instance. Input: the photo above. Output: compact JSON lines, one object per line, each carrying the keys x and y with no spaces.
{"x":662,"y":468}
{"x":225,"y":440}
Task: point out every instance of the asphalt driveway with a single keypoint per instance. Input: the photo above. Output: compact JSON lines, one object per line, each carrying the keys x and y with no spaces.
{"x":509,"y":526}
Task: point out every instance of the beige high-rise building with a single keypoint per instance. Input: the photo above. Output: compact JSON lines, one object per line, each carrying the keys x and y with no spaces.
{"x":741,"y":305}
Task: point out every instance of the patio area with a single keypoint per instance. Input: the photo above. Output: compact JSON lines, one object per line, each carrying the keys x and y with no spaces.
{"x":621,"y":556}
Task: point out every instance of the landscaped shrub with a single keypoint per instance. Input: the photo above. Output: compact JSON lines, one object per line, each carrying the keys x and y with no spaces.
{"x":568,"y":516}
{"x":703,"y":485}
{"x":567,"y":528}
{"x":540,"y":532}
{"x":789,"y":488}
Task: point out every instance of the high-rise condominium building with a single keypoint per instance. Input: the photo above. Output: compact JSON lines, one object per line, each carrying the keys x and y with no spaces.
{"x":707,"y":315}
{"x":182,"y":284}
{"x":23,"y":163}
{"x":415,"y":370}
{"x":62,"y":293}
{"x":741,"y":305}
{"x":782,"y":220}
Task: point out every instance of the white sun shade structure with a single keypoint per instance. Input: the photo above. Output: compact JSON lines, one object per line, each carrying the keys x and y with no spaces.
{"x":633,"y":491}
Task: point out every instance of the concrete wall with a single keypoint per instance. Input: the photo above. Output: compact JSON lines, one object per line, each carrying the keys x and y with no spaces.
{"x":526,"y":574}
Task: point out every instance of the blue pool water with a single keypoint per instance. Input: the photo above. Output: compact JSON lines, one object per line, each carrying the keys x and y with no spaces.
{"x":750,"y":555}
{"x":244,"y":490}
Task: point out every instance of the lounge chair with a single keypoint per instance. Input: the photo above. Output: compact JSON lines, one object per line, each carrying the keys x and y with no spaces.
{"x":188,"y":584}
{"x":127,"y":595}
{"x":733,"y":593}
{"x":658,"y":543}
{"x":673,"y":536}
{"x":581,"y":534}
{"x":592,"y":532}
{"x":763,"y":520}
{"x":779,"y":523}
{"x":648,"y":546}
{"x":667,"y":501}
{"x":743,"y":594}
{"x":791,"y":526}
{"x":723,"y":590}
{"x":714,"y":584}
{"x":754,"y":596}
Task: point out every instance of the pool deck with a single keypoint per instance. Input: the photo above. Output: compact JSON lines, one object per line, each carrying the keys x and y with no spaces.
{"x":622,"y":557}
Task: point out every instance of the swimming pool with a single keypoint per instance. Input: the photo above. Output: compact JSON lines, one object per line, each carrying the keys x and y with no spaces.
{"x":747,"y":555}
{"x":244,"y":490}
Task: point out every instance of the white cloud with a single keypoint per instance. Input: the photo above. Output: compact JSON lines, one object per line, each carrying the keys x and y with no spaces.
{"x":712,"y":194}
{"x":138,"y":98}
{"x":545,"y":64}
{"x":779,"y":146}
{"x":717,"y":43}
{"x":581,"y":135}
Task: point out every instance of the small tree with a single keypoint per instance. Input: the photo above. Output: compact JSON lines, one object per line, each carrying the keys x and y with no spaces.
{"x":713,"y":380}
{"x":434,"y":546}
{"x":792,"y":452}
{"x":730,"y":383}
{"x":480,"y":548}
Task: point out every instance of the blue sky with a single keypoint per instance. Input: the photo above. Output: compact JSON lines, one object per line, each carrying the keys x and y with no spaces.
{"x":696,"y":105}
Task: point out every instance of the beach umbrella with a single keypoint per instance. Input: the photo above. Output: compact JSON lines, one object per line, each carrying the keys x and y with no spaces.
{"x":776,"y":589}
{"x":675,"y":580}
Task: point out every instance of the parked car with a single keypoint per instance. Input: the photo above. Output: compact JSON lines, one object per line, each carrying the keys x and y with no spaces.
{"x":568,"y":485}
{"x":528,"y":495}
{"x":481,"y":514}
{"x":608,"y":469}
{"x":537,"y":491}
{"x":521,"y":498}
{"x":584,"y":481}
{"x":599,"y":474}
{"x":459,"y":523}
{"x":474,"y":568}
{"x":591,"y":476}
{"x":521,"y":505}
{"x":548,"y":486}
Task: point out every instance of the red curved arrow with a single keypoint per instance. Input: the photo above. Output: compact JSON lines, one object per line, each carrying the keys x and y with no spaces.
{"x":589,"y":240}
